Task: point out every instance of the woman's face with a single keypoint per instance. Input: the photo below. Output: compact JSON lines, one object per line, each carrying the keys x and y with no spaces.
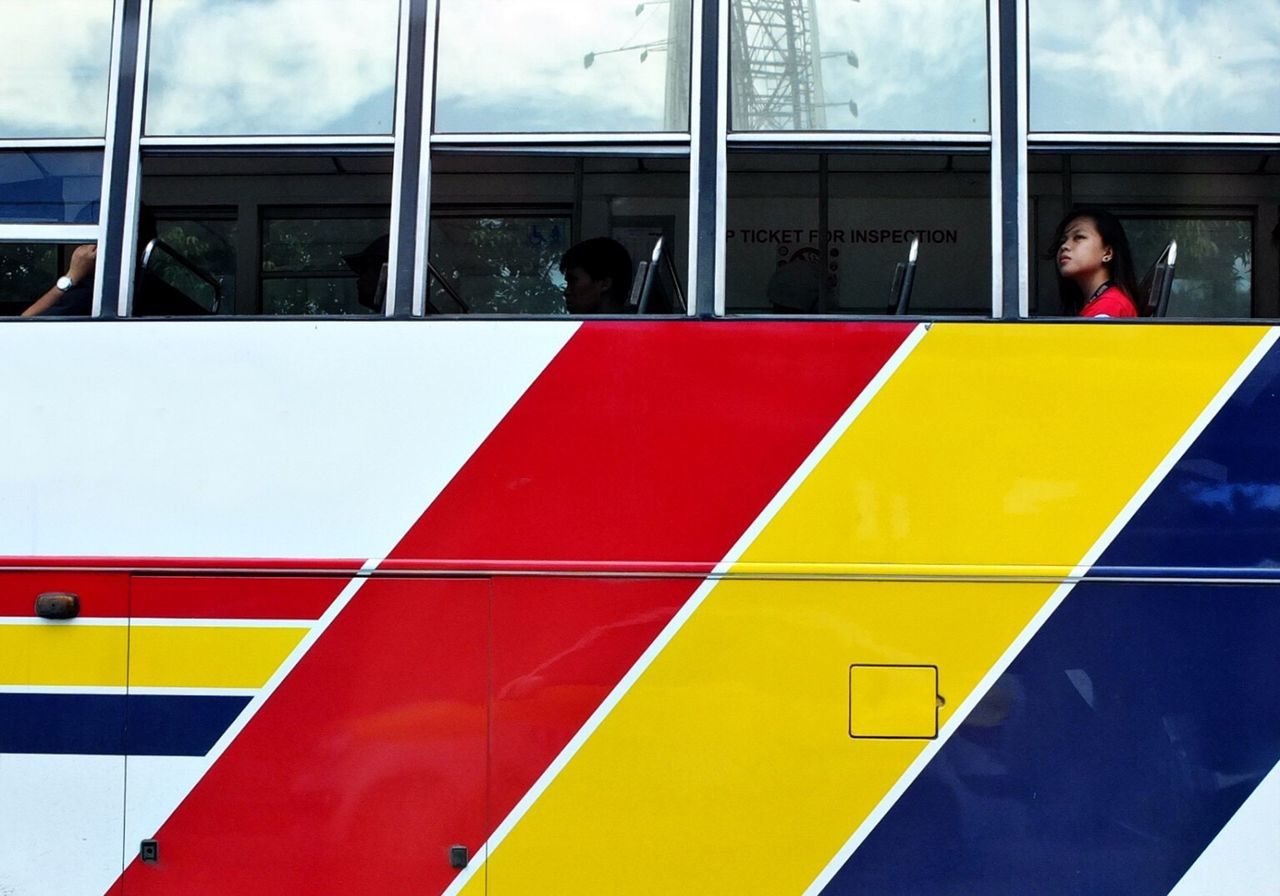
{"x":1082,"y":252}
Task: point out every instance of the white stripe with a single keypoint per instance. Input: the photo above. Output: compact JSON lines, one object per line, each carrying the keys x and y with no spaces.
{"x":260,"y":697}
{"x":1243,"y":857}
{"x":117,"y":621}
{"x":88,"y":690}
{"x":156,"y":622}
{"x":120,"y":690}
{"x":1091,"y":556}
{"x":179,"y":691}
{"x":690,"y":607}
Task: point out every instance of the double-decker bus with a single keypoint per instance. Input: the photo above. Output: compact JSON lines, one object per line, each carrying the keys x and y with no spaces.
{"x":337,"y":556}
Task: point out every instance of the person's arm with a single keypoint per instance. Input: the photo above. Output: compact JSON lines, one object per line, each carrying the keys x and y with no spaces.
{"x":83,"y":260}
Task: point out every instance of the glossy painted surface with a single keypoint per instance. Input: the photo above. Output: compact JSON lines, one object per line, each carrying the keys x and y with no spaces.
{"x":678,"y":538}
{"x":733,"y":748}
{"x":102,"y":595}
{"x":1219,"y":508}
{"x":243,"y":597}
{"x":560,"y":645}
{"x":1135,"y":723}
{"x":1120,"y":741}
{"x":366,"y":766}
{"x":62,"y":723}
{"x":957,"y":465}
{"x":653,"y":444}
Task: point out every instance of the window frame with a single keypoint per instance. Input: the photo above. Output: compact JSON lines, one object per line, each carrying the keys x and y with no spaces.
{"x":707,"y":145}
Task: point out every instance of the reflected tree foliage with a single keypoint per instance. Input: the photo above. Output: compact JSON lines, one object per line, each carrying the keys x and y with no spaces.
{"x":501,"y":265}
{"x":1213,"y":276}
{"x":305,"y":265}
{"x":209,"y":245}
{"x":27,"y":270}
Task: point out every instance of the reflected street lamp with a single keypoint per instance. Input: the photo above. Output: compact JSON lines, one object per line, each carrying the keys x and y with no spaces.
{"x":656,"y":46}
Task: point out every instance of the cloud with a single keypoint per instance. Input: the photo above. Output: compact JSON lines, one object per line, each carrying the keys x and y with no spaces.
{"x":922,"y":64}
{"x":1159,"y":65}
{"x":272,"y":67}
{"x":55,"y":59}
{"x":328,"y":66}
{"x":522,"y":68}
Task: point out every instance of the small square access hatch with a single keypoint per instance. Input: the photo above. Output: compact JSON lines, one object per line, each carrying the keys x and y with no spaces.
{"x":893,"y":701}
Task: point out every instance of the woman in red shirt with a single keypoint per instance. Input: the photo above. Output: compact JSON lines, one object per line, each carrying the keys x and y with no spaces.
{"x":1095,"y":267}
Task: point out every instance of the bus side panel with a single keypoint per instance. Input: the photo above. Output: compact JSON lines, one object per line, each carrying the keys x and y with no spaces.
{"x":1121,"y":740}
{"x":357,"y":763}
{"x":561,"y":645}
{"x":62,"y":733}
{"x":769,"y":726}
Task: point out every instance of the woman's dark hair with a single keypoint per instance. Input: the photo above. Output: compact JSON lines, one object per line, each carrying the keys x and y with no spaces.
{"x":1119,"y":270}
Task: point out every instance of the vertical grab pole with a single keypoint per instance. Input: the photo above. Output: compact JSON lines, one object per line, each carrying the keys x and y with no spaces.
{"x":709,"y":124}
{"x":1009,"y":218}
{"x":117,"y":230}
{"x":404,"y":259}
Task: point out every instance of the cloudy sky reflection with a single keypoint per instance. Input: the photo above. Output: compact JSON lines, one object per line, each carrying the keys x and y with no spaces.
{"x":525,"y":71}
{"x":55,"y":56}
{"x":922,"y":64}
{"x":260,"y":67}
{"x":328,"y":66}
{"x":1156,"y":65}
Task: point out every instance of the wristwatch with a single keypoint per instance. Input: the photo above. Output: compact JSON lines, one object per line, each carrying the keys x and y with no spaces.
{"x":64,"y":283}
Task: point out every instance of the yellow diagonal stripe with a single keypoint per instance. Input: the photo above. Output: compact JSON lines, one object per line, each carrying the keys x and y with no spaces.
{"x":148,"y":656}
{"x":59,"y":655}
{"x":1005,"y":446}
{"x":208,"y":657}
{"x":728,"y":767}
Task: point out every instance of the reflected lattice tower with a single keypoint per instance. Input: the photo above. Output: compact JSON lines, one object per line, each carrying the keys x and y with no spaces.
{"x":777,"y":81}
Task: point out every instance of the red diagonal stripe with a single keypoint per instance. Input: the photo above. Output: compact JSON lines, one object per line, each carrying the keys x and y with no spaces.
{"x":655,"y":442}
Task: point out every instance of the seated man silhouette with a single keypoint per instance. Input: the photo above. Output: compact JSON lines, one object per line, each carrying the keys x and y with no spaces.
{"x":795,"y":286}
{"x":597,"y":274}
{"x":367,"y":265}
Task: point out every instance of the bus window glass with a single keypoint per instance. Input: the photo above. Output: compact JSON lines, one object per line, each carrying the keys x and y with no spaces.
{"x":27,"y":270}
{"x":569,"y":67}
{"x":55,"y":58}
{"x":818,"y":65}
{"x":508,"y":261}
{"x":500,"y":225}
{"x":780,"y":262}
{"x":1214,"y":269}
{"x":50,"y":187}
{"x":198,"y":257}
{"x":272,"y":67}
{"x":315,"y":265}
{"x":282,"y":233}
{"x":1156,"y":66}
{"x":1220,"y":208}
